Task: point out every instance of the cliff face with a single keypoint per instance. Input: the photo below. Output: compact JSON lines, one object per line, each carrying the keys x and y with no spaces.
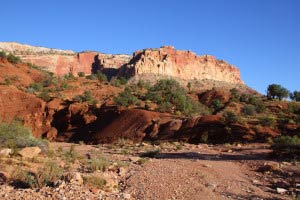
{"x":62,"y":62}
{"x":182,"y":64}
{"x":162,"y":61}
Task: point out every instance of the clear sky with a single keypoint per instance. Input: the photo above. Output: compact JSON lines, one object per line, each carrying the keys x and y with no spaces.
{"x":260,"y":37}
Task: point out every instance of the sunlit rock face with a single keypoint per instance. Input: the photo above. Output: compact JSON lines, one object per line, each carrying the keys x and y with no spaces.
{"x":166,"y":60}
{"x":64,"y":61}
{"x":182,"y":64}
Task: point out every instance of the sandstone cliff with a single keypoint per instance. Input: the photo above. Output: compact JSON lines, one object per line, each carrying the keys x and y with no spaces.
{"x":185,"y":65}
{"x":166,"y":61}
{"x":62,"y":62}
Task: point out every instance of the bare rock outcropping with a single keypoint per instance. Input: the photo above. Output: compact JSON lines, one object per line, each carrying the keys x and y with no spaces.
{"x":165,"y":61}
{"x":185,"y":65}
{"x":61,"y":62}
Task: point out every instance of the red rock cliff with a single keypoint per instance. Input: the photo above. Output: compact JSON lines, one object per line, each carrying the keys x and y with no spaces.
{"x":62,"y":62}
{"x":182,"y":64}
{"x":162,"y":61}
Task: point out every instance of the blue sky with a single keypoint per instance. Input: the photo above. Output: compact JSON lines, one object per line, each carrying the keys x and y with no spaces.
{"x":260,"y":37}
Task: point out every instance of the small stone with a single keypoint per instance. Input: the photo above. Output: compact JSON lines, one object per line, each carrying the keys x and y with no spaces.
{"x":5,"y":152}
{"x":239,"y":145}
{"x":229,"y":151}
{"x":126,"y":196}
{"x":134,"y":159}
{"x":30,"y":152}
{"x":76,"y":178}
{"x":281,"y":190}
{"x":207,"y":165}
{"x":122,"y":171}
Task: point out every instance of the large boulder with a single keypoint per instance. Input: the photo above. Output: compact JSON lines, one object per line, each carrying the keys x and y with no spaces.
{"x":30,"y":152}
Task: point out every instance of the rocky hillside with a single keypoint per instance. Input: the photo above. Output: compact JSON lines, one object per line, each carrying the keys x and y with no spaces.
{"x":164,"y":61}
{"x":61,"y":62}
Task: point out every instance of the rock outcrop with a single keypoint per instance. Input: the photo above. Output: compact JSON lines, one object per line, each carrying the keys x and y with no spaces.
{"x":185,"y":65}
{"x":164,"y":61}
{"x":61,"y":62}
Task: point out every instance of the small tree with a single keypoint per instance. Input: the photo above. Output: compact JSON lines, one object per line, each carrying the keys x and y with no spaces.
{"x":248,"y":110}
{"x":216,"y":104}
{"x":2,"y":54}
{"x":277,"y":91}
{"x":81,"y":74}
{"x":295,"y":95}
{"x":13,"y":59}
{"x":189,"y":86}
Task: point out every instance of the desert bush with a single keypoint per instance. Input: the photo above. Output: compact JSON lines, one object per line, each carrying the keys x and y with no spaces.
{"x":294,"y":107}
{"x":234,"y":94}
{"x":45,"y":95}
{"x":248,"y":110}
{"x":85,"y":97}
{"x":286,"y":145}
{"x":126,"y":98}
{"x":216,"y":104}
{"x":2,"y":54}
{"x":45,"y":176}
{"x":36,"y":87}
{"x":71,"y":155}
{"x":230,"y":117}
{"x":81,"y":74}
{"x":101,"y":77}
{"x":100,"y":163}
{"x":14,"y":135}
{"x":69,"y":76}
{"x":91,"y":77}
{"x":23,"y":179}
{"x":150,"y":153}
{"x":267,"y":121}
{"x":169,"y":91}
{"x":260,"y":107}
{"x":94,"y":181}
{"x":119,"y":81}
{"x":13,"y":59}
{"x":49,"y":174}
{"x":143,"y":85}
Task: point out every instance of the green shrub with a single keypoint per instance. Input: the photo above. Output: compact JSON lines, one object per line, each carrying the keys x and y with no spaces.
{"x":101,"y":77}
{"x":81,"y":74}
{"x":45,"y":176}
{"x":126,"y":98}
{"x":168,"y":91}
{"x":234,"y":94}
{"x":91,"y":77}
{"x":71,"y":155}
{"x":94,"y":181}
{"x":248,"y":110}
{"x":49,"y":174}
{"x":260,"y":107}
{"x":69,"y":76}
{"x":85,"y":97}
{"x":100,"y":163}
{"x":14,"y":135}
{"x":13,"y":59}
{"x":36,"y":87}
{"x":2,"y":54}
{"x":119,"y":81}
{"x":216,"y":104}
{"x":294,"y":107}
{"x":45,"y":96}
{"x":267,"y":121}
{"x":286,"y":145}
{"x":230,"y":117}
{"x":150,"y":154}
